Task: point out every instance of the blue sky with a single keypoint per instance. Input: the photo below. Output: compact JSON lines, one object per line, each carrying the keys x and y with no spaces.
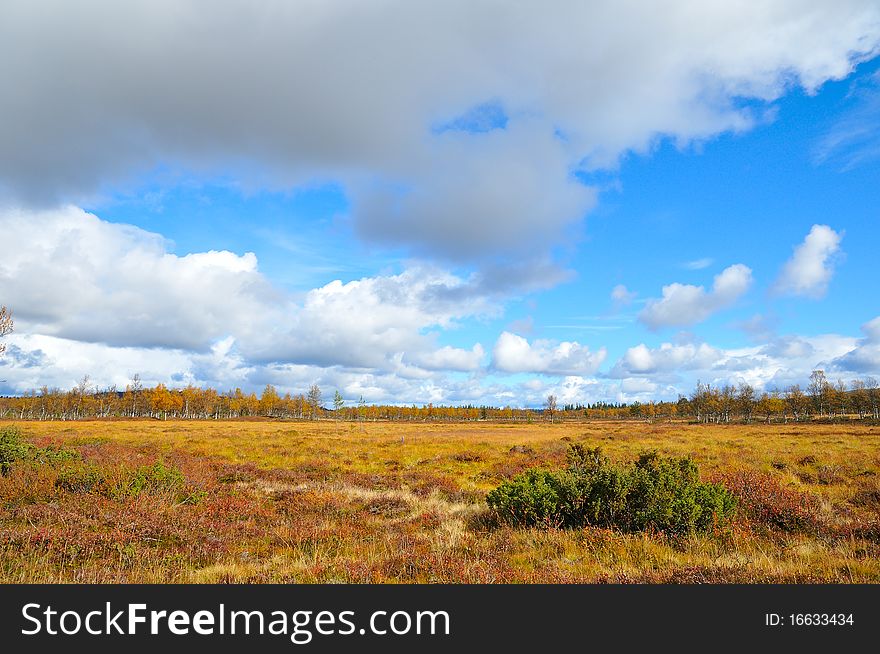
{"x":489,"y":226}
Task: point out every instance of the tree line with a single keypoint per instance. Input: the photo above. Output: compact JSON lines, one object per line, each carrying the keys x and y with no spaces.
{"x":86,"y":401}
{"x":821,"y":398}
{"x":706,"y":404}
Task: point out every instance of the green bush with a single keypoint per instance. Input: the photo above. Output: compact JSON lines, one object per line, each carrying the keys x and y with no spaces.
{"x":536,"y":497}
{"x":154,"y":478}
{"x":664,"y":494}
{"x":12,"y":448}
{"x":80,"y":479}
{"x":54,"y":455}
{"x":124,"y":483}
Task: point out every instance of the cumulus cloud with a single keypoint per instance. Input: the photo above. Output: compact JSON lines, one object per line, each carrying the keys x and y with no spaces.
{"x":685,"y":304}
{"x":865,"y":357}
{"x":622,"y":296}
{"x":451,"y":358}
{"x":473,"y":156}
{"x":62,"y":362}
{"x":283,"y":94}
{"x":514,"y":354}
{"x":811,"y":267}
{"x":70,"y":275}
{"x":675,"y":368}
{"x":788,"y":347}
{"x":475,"y":195}
{"x":372,"y":322}
{"x":642,"y":360}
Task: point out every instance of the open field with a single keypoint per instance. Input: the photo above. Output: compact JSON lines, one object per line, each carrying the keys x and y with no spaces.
{"x":327,"y":501}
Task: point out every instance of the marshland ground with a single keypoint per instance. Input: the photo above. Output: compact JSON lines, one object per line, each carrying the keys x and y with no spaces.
{"x":323,"y":501}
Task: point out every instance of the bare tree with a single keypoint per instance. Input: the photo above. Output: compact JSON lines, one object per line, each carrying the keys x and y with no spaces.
{"x":314,"y":400}
{"x":873,"y":391}
{"x":83,"y":388}
{"x":550,"y":406}
{"x":5,"y":325}
{"x":136,"y":387}
{"x":818,"y":390}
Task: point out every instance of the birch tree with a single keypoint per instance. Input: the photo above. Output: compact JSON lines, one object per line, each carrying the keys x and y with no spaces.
{"x":5,"y":325}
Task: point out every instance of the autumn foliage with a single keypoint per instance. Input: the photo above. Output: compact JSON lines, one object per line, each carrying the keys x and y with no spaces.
{"x":151,"y":501}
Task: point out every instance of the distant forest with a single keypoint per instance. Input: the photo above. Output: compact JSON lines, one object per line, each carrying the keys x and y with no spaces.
{"x":821,"y":399}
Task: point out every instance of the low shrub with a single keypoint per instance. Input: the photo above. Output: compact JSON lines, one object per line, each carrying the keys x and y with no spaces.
{"x":154,"y":478}
{"x":123,"y":483}
{"x":653,"y":493}
{"x":765,"y":500}
{"x":53,"y":455}
{"x":535,"y":497}
{"x":12,"y":448}
{"x":868,"y":497}
{"x":467,"y":457}
{"x":80,"y":479}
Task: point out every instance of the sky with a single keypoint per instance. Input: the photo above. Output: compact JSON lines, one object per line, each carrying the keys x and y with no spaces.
{"x":467,"y":202}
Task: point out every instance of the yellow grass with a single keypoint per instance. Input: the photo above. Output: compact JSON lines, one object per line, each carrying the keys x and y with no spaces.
{"x":397,"y":502}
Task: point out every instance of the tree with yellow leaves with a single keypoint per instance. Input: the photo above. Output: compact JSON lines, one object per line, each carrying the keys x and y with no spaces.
{"x":270,"y":401}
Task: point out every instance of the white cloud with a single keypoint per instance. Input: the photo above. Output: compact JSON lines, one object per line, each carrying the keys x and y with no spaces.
{"x":865,"y":357}
{"x":675,"y":368}
{"x":572,"y":389}
{"x":60,"y":362}
{"x":854,"y":137}
{"x":648,"y":373}
{"x":638,"y":386}
{"x":36,"y":360}
{"x":872,"y":329}
{"x":622,"y":296}
{"x":514,"y":354}
{"x":788,"y":347}
{"x":642,"y":360}
{"x":811,"y":267}
{"x":349,"y":92}
{"x":366,"y":322}
{"x":70,"y":275}
{"x":698,"y":264}
{"x":685,"y":304}
{"x":451,"y":358}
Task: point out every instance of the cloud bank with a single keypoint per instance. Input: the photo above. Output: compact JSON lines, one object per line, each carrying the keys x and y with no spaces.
{"x":80,"y":278}
{"x":460,"y":132}
{"x":285,"y":94}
